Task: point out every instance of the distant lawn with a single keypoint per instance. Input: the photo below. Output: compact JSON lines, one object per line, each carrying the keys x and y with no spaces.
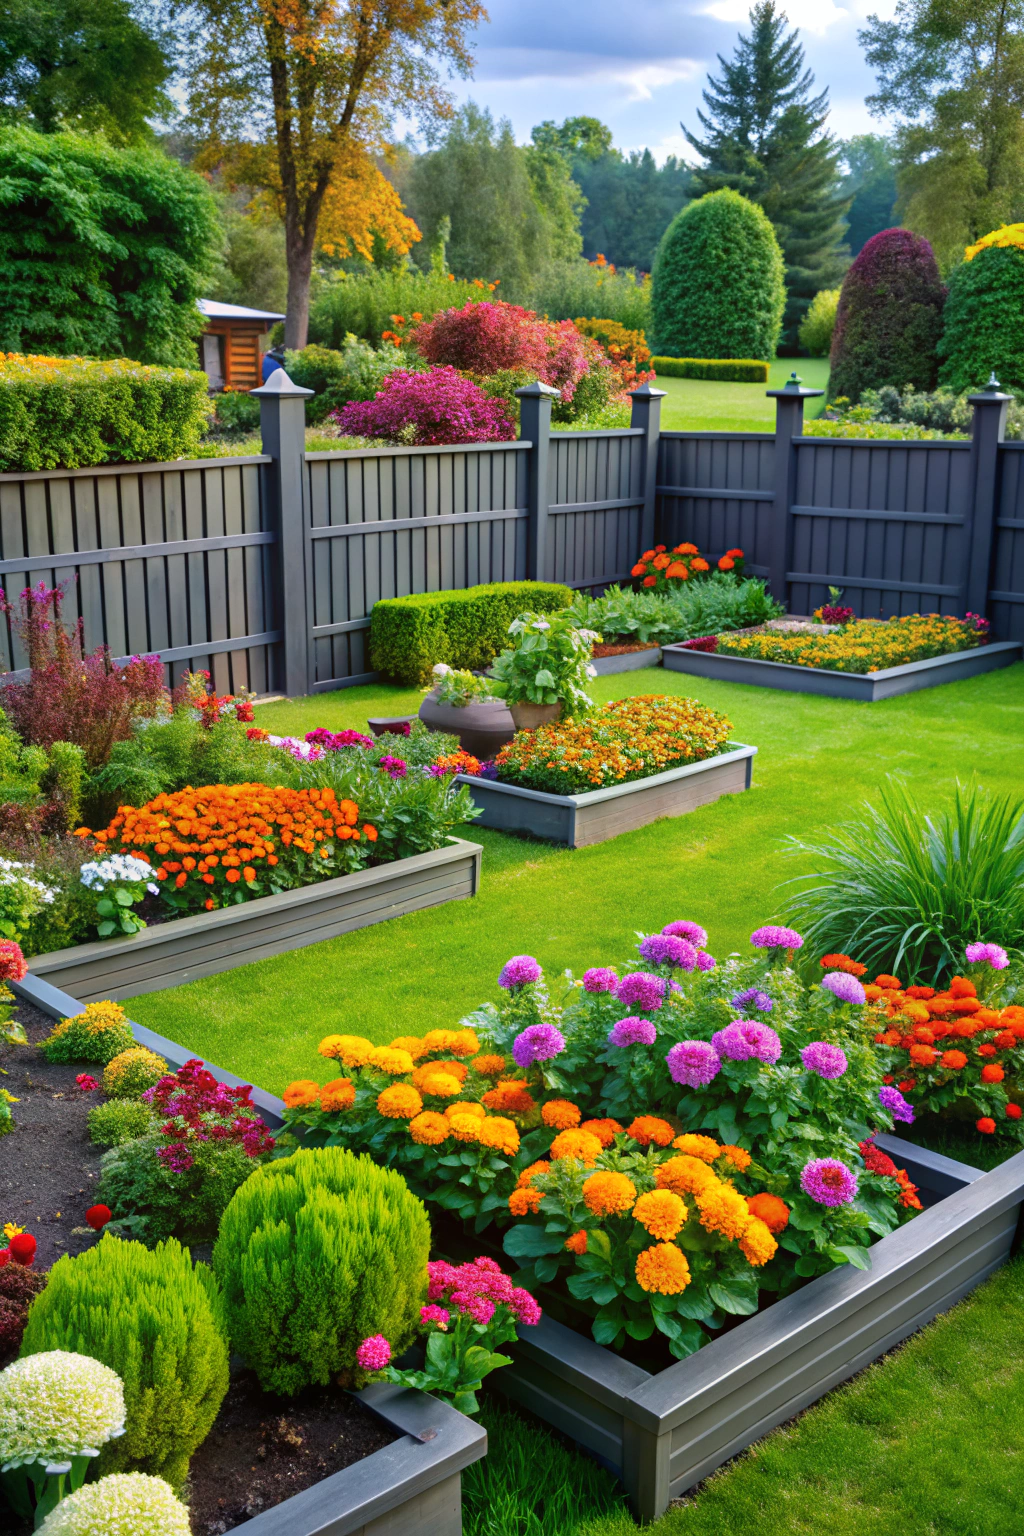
{"x":695,"y":405}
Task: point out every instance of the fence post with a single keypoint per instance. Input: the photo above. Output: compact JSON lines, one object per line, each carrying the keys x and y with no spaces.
{"x":789,"y":423}
{"x":283,"y":428}
{"x":535,"y":426}
{"x":646,"y":414}
{"x":987,"y":431}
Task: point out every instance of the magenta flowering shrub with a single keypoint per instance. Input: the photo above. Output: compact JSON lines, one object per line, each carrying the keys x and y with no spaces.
{"x":197,"y":1108}
{"x":426,"y":408}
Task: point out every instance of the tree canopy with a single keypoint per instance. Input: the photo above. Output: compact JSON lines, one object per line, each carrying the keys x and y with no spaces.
{"x":869,"y":181}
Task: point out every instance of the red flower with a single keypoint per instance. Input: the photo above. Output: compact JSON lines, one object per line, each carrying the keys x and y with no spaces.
{"x":97,"y":1216}
{"x":22,"y":1248}
{"x":1013,"y":1111}
{"x":986,"y":1125}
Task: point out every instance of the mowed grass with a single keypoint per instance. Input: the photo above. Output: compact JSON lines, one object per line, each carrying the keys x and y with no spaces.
{"x":699,"y":405}
{"x":817,"y":759}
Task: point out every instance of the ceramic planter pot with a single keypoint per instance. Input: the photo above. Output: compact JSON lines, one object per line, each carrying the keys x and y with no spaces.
{"x":528,"y":717}
{"x":483,"y":726}
{"x":389,"y":725}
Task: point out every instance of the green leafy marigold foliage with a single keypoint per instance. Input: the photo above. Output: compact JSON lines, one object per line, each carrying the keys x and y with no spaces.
{"x":316,"y":1253}
{"x":718,"y":285}
{"x":151,"y":1317}
{"x":984,"y":329}
{"x":889,"y":318}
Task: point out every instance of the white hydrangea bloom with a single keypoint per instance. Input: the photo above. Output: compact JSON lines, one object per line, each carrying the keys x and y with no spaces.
{"x":14,"y":873}
{"x":123,"y":1504}
{"x":57,"y":1405}
{"x":118,"y":869}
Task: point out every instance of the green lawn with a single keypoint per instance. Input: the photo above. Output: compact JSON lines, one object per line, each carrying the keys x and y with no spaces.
{"x":696,"y":405}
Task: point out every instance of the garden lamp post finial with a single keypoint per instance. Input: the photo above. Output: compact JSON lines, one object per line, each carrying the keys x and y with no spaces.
{"x":993,"y":387}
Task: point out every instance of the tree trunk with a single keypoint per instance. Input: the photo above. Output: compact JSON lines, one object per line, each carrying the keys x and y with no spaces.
{"x":300,"y":270}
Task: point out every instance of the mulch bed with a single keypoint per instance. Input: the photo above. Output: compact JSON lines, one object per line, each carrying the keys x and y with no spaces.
{"x":623,"y":650}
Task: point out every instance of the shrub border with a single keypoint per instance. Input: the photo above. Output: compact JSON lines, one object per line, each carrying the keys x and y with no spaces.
{"x":725,"y":370}
{"x":868,"y":687}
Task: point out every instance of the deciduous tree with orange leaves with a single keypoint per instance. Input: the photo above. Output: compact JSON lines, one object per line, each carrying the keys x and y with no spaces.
{"x":295,"y":97}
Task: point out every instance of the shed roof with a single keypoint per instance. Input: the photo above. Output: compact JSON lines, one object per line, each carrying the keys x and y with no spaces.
{"x":216,"y":311}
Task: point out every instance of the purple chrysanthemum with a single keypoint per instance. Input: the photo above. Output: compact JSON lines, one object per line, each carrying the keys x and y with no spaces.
{"x":988,"y":954}
{"x":641,"y":990}
{"x":828,"y":1181}
{"x":892,"y":1100}
{"x":746,"y":1040}
{"x":666,"y":949}
{"x":845,"y":987}
{"x":691,"y":931}
{"x":600,"y":978}
{"x":753,"y":997}
{"x":374,"y":1353}
{"x":519,"y":972}
{"x":538,"y":1042}
{"x":632,"y":1031}
{"x":824,"y":1059}
{"x":773,"y":937}
{"x":705,"y":962}
{"x":693,"y":1063}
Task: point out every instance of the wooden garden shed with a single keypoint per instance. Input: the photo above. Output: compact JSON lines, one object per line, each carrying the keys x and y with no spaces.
{"x":231,"y":345}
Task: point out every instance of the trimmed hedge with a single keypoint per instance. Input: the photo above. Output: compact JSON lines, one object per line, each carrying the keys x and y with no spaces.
{"x":732,"y":370}
{"x":67,"y":412}
{"x":467,"y":629}
{"x":984,"y":321}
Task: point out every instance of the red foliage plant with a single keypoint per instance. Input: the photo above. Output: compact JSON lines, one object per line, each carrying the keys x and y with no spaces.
{"x":70,"y":696}
{"x":495,"y":337}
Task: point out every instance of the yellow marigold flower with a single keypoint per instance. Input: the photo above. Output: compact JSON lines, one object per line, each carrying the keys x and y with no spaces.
{"x":501,"y":1135}
{"x":526,"y":1177}
{"x":661,"y":1212}
{"x":739,"y":1157}
{"x":609,"y":1194}
{"x":577,"y":1144}
{"x":577,"y":1242}
{"x":723,"y":1210}
{"x":465,"y":1043}
{"x":411,"y":1043}
{"x":524,"y":1202}
{"x":605,"y":1130}
{"x":453,"y":1069}
{"x":704,"y":1147}
{"x":757,"y":1244}
{"x":685,"y":1175}
{"x":488,"y":1065}
{"x":648,"y":1128}
{"x":662,"y":1269}
{"x":439,"y":1085}
{"x":350,"y":1050}
{"x":392,"y":1060}
{"x":429,"y":1129}
{"x":464,"y":1108}
{"x":340,"y":1093}
{"x":399,"y":1102}
{"x":560,"y":1114}
{"x":443,"y":1040}
{"x":302,"y":1093}
{"x":464,"y":1127}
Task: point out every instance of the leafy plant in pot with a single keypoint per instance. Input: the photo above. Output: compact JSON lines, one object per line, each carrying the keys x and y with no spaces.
{"x":545,"y":673}
{"x":464,"y":704}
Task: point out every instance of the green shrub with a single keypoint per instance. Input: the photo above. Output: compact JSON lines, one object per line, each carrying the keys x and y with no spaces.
{"x":819,"y":322}
{"x":128,"y":1075}
{"x":734,"y":370}
{"x":355,"y":371}
{"x":156,"y":1202}
{"x":236,"y":411}
{"x":984,"y":321}
{"x":99,"y":1033}
{"x":66,"y":779}
{"x":717,"y":285}
{"x":63,"y":413}
{"x":315,"y":1253}
{"x":119,"y":1120}
{"x":151,"y":1317}
{"x":361,"y":304}
{"x":466,"y":628}
{"x":563,"y":289}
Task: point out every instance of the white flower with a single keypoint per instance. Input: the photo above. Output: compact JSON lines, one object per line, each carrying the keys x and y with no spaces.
{"x":591,"y":669}
{"x":123,"y":1504}
{"x":542,"y":624}
{"x":57,"y":1405}
{"x":441,"y":669}
{"x":119,"y":867}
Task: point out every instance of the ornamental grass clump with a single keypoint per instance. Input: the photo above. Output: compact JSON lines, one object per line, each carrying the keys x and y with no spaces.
{"x":316,"y":1253}
{"x":99,"y":1033}
{"x":123,"y":1504}
{"x":864,"y":646}
{"x":151,"y":1317}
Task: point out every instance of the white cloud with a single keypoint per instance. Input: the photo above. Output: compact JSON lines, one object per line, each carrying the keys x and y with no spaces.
{"x":809,"y":15}
{"x":643,"y":81}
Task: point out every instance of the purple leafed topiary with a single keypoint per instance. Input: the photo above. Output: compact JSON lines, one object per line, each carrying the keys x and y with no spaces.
{"x":435,"y":407}
{"x":889,"y":318}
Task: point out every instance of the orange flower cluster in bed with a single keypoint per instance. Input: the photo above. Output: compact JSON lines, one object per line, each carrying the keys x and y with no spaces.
{"x":664,"y":570}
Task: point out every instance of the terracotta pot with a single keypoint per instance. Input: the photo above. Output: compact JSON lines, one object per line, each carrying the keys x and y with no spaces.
{"x":529,"y":716}
{"x":483,"y":727}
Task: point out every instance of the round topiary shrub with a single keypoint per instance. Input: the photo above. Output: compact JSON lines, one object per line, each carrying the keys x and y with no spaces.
{"x":819,"y":323}
{"x":129,"y":1074}
{"x":889,"y":318}
{"x":316,"y":1253}
{"x":124,"y":1504}
{"x":99,"y":1033}
{"x":119,"y":1120}
{"x":984,"y":318}
{"x":149,"y":1315}
{"x":718,"y":285}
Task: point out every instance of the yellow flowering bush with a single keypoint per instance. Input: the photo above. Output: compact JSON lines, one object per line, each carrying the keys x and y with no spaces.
{"x":867,"y":645}
{"x":99,"y":1033}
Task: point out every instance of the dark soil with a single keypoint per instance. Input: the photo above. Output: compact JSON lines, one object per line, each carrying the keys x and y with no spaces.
{"x":48,"y":1165}
{"x":623,"y":650}
{"x":263,"y":1448}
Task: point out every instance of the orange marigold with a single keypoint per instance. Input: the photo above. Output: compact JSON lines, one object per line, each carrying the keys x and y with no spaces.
{"x":961,"y":986}
{"x":411,"y":1043}
{"x":577,"y":1144}
{"x":605,"y":1130}
{"x":399,"y":1102}
{"x":488,"y":1065}
{"x":954,"y":1060}
{"x":842,"y":963}
{"x":577,"y":1242}
{"x":465,"y":1127}
{"x":429,"y":1129}
{"x":888,"y":983}
{"x":609,"y":1194}
{"x":662,"y":1269}
{"x":527,"y":1174}
{"x":560,"y":1114}
{"x":723,"y":1210}
{"x":338,"y":1094}
{"x":757,"y":1244}
{"x":439,"y":1085}
{"x":648,"y":1128}
{"x":300,"y":1094}
{"x":992,"y":1073}
{"x":524,"y":1202}
{"x":661,"y":1212}
{"x":465,"y":1043}
{"x":498,"y":1134}
{"x":704,"y":1147}
{"x":350,"y":1050}
{"x":392,"y":1060}
{"x":511,"y":1097}
{"x":685,"y":1175}
{"x":739,"y":1157}
{"x":923,"y":1055}
{"x":440,"y":1040}
{"x":464,"y":1108}
{"x":769,"y":1209}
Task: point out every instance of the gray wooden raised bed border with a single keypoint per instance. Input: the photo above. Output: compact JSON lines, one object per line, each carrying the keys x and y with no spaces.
{"x":867,"y":687}
{"x":186,"y":948}
{"x":581,"y":820}
{"x":628,"y":661}
{"x":664,"y":1433}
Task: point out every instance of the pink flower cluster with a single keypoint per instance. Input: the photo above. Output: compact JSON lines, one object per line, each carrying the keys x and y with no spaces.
{"x":333,"y":741}
{"x":425,"y":408}
{"x":199,"y":1108}
{"x":477,"y":1289}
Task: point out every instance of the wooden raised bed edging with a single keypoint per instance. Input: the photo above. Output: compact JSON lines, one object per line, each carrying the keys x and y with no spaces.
{"x":580,"y":820}
{"x":868,"y":687}
{"x":628,"y":661}
{"x":186,"y":948}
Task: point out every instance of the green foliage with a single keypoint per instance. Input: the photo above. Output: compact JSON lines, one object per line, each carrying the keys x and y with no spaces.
{"x":63,"y":414}
{"x":129,"y":1075}
{"x":548,"y":662}
{"x":904,"y":890}
{"x":819,"y":322}
{"x":154,"y":1202}
{"x":353,"y":372}
{"x":236,"y":412}
{"x":167,"y":755}
{"x":103,"y":251}
{"x":631,"y":200}
{"x":733,"y":370}
{"x":467,"y":628}
{"x":99,"y":1033}
{"x":361,"y":304}
{"x":21,"y":768}
{"x":66,"y":779}
{"x":707,"y":607}
{"x":119,"y":1120}
{"x":315,"y":1253}
{"x":563,"y":289}
{"x":148,"y":1316}
{"x":253,"y":270}
{"x":984,"y":321}
{"x":870,"y":182}
{"x":717,"y":287}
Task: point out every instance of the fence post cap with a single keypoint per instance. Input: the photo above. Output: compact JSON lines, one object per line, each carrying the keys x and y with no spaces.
{"x":538,"y":391}
{"x":793,"y":390}
{"x":992,"y":391}
{"x":645,"y":392}
{"x":280,"y":386}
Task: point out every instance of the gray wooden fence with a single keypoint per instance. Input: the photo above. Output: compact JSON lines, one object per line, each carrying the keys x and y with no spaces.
{"x":264,"y":570}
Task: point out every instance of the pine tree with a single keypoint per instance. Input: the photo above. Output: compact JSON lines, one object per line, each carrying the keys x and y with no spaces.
{"x":764,"y":135}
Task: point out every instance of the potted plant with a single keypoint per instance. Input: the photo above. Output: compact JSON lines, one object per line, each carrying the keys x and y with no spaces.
{"x":466,"y":706}
{"x":545,"y":673}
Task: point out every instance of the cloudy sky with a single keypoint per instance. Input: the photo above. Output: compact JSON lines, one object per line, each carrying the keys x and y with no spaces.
{"x":640,"y":66}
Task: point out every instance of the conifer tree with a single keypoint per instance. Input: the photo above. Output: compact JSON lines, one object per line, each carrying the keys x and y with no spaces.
{"x":764,"y":136}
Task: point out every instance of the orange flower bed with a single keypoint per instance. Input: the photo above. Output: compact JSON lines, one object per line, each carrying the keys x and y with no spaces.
{"x":664,"y":570}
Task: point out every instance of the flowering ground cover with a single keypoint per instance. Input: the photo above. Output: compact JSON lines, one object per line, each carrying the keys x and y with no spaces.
{"x":862,"y":646}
